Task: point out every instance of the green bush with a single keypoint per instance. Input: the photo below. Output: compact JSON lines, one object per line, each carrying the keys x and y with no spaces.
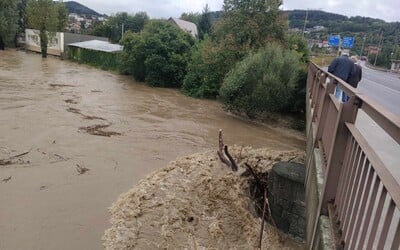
{"x":211,"y":61}
{"x":158,"y":55}
{"x":262,"y":82}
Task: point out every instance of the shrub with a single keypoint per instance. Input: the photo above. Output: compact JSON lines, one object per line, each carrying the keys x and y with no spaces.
{"x":210,"y":63}
{"x":262,"y":82}
{"x":158,"y":55}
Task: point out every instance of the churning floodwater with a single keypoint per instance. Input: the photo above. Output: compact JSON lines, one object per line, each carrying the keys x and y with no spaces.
{"x":73,"y":137}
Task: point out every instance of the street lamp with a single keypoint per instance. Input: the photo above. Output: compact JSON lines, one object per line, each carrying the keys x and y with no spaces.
{"x":362,"y":47}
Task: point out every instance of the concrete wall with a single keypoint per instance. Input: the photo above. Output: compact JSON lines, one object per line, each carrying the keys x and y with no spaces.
{"x":58,"y":45}
{"x":55,"y":45}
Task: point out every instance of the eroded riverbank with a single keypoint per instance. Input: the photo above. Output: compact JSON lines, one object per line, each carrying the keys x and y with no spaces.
{"x":64,"y":115}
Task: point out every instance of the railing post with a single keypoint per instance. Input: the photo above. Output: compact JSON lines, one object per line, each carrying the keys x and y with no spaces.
{"x":347,"y":113}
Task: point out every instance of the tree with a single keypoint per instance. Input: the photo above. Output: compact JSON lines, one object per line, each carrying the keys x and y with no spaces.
{"x":158,"y":55}
{"x":193,"y":17}
{"x":22,"y":15}
{"x":262,"y":82}
{"x":113,"y":27}
{"x":246,"y":25}
{"x":209,"y":63}
{"x":253,"y":23}
{"x":62,"y":14}
{"x":44,"y":16}
{"x":8,"y":22}
{"x":205,"y":22}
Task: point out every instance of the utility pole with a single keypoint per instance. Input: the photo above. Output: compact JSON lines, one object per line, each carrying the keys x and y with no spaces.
{"x":362,"y":47}
{"x":305,"y":22}
{"x":379,"y":46}
{"x":122,"y":34}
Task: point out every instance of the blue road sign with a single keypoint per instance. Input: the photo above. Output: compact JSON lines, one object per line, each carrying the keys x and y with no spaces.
{"x":334,"y":40}
{"x":348,"y":42}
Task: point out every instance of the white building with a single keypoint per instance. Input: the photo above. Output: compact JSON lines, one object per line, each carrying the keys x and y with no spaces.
{"x":185,"y":25}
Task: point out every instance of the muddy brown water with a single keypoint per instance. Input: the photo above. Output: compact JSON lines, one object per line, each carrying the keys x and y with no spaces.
{"x":89,"y":135}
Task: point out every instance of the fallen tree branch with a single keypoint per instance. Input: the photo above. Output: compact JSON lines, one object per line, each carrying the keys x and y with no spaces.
{"x":81,"y":170}
{"x":224,"y":154}
{"x":8,"y":161}
{"x":19,"y":155}
{"x":255,"y":176}
{"x":7,"y":179}
{"x":220,"y":151}
{"x":263,"y":220}
{"x":233,"y":164}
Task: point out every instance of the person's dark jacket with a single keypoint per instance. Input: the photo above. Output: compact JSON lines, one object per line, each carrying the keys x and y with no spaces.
{"x":342,"y":67}
{"x":355,"y":77}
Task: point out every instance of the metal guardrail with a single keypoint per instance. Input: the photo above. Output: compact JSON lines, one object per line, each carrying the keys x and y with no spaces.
{"x":357,"y":187}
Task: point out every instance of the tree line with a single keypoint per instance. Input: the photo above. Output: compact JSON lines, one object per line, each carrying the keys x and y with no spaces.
{"x":46,"y":16}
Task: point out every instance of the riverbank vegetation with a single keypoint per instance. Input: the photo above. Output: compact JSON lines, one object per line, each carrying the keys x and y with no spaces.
{"x":47,"y":17}
{"x":247,"y":59}
{"x":244,"y":56}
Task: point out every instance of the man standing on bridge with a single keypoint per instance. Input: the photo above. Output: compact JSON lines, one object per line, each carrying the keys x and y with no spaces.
{"x":342,"y":67}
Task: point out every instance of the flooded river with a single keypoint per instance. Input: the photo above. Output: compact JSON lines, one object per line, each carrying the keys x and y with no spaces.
{"x":72,"y":138}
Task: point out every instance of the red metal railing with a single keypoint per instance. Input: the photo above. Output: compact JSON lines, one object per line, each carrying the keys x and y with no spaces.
{"x":357,"y":185}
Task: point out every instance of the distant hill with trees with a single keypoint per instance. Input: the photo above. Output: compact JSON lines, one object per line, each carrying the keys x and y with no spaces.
{"x":75,"y":7}
{"x":370,"y":31}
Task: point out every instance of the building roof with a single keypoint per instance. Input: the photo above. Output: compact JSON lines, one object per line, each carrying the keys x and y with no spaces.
{"x":185,"y":25}
{"x":98,"y":45}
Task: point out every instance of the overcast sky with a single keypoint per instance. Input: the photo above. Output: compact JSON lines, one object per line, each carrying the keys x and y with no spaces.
{"x":387,"y":10}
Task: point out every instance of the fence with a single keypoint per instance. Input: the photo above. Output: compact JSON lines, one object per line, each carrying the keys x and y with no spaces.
{"x":358,"y":192}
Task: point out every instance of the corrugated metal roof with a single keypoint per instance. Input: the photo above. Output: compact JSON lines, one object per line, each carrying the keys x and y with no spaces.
{"x":98,"y":45}
{"x":185,"y":25}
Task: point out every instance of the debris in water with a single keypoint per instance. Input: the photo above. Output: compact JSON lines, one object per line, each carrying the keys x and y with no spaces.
{"x":81,"y":170}
{"x":71,"y":101}
{"x":87,"y":117}
{"x":74,"y":110}
{"x":196,"y":203}
{"x":98,"y":130}
{"x":61,"y":85}
{"x":4,"y":162}
{"x":6,"y":179}
{"x":61,"y":157}
{"x":11,"y":160}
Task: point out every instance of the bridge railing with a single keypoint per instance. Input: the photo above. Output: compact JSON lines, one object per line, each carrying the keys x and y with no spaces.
{"x":359,"y":193}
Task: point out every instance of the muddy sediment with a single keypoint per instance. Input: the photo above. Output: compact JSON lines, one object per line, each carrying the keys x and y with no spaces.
{"x":196,"y":202}
{"x":47,"y":203}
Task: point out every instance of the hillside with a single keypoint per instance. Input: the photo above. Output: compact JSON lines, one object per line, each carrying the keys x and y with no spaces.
{"x":367,"y":31}
{"x":75,"y":7}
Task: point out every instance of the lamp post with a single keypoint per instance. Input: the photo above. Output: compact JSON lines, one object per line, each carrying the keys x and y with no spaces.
{"x":305,"y":22}
{"x":362,"y":46}
{"x":379,"y":46}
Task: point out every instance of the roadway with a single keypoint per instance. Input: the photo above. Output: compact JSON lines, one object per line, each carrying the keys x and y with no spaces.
{"x":383,"y":87}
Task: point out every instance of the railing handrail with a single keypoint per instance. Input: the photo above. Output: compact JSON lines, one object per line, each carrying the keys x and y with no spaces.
{"x":349,"y":161}
{"x":383,"y":117}
{"x":384,"y":174}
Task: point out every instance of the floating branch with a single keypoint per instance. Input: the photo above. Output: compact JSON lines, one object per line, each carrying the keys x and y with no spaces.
{"x":234,"y":166}
{"x":224,"y":154}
